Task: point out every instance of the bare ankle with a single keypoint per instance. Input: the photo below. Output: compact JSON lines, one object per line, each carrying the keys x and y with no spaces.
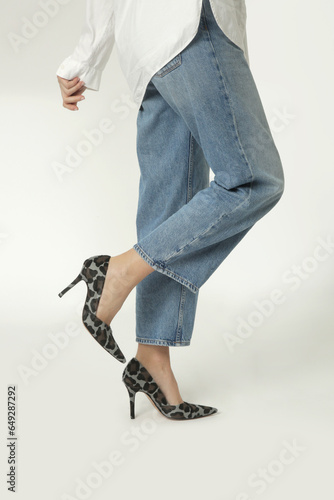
{"x":131,"y":267}
{"x":154,"y":355}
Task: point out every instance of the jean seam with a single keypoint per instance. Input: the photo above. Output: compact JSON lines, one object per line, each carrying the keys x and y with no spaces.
{"x":161,"y":267}
{"x":190,"y":168}
{"x":188,"y":198}
{"x":181,"y":314}
{"x":203,"y":18}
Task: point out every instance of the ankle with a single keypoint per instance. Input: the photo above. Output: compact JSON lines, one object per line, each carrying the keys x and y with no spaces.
{"x":130,"y":267}
{"x":154,"y":356}
{"x":118,"y":269}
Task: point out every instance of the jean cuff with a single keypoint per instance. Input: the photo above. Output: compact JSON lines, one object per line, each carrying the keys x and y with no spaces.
{"x":161,"y":267}
{"x":174,"y":343}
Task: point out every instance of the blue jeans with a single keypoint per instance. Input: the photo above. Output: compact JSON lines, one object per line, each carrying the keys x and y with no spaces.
{"x":202,"y":110}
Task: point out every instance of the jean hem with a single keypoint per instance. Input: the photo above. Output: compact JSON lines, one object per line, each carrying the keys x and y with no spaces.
{"x":173,"y":343}
{"x":161,"y":267}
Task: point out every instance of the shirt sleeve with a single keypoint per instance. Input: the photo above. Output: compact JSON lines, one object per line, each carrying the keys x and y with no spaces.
{"x":94,"y":47}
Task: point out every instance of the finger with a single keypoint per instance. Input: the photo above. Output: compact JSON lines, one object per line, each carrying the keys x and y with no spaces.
{"x":75,"y":90}
{"x":80,"y":91}
{"x":68,"y":83}
{"x":71,"y":107}
{"x":70,"y":86}
{"x":73,"y":99}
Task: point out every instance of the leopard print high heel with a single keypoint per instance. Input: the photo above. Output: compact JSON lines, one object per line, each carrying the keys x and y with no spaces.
{"x":93,"y":273}
{"x":136,"y":378}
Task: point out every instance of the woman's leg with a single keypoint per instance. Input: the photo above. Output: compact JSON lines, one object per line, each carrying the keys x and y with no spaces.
{"x":173,"y":169}
{"x":125,"y":271}
{"x":156,"y":360}
{"x":172,"y":172}
{"x":212,"y":90}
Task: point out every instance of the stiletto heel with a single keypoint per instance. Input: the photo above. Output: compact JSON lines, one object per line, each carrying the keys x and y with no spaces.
{"x":71,"y":285}
{"x":132,"y":395}
{"x":137,"y":379}
{"x":93,"y":273}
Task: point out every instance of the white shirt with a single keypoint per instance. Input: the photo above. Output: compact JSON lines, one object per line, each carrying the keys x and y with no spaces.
{"x":147,"y":34}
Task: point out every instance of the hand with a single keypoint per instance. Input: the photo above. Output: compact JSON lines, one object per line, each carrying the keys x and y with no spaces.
{"x":71,"y":91}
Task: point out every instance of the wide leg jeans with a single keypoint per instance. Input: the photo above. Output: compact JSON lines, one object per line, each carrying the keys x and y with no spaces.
{"x":201,"y":111}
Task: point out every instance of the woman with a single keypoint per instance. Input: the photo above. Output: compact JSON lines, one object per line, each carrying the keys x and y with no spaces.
{"x":188,"y":69}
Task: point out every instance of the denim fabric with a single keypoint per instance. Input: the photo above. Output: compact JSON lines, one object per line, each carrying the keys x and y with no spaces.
{"x":201,"y":111}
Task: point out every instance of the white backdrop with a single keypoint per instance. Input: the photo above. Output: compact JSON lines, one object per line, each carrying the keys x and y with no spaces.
{"x":262,"y":347}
